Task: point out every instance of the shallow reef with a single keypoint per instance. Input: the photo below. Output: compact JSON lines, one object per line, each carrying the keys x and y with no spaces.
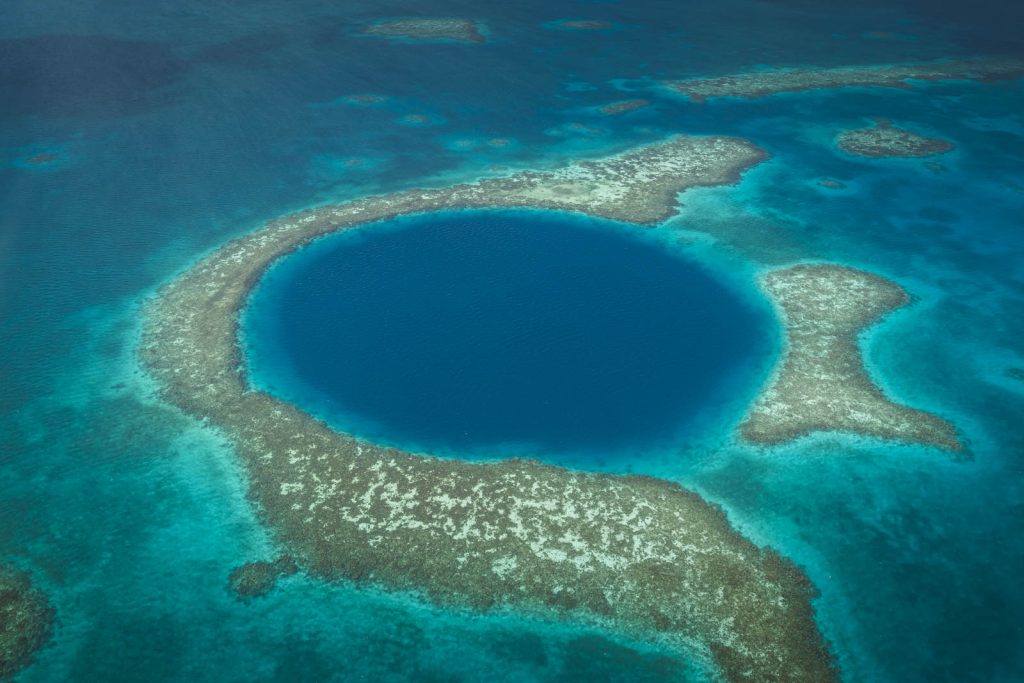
{"x":821,"y":384}
{"x":26,"y":621}
{"x":770,"y":82}
{"x":583,"y":24}
{"x":886,"y":140}
{"x":367,"y":98}
{"x":42,"y":159}
{"x":444,"y":29}
{"x":623,"y":107}
{"x":256,"y":579}
{"x":1015,"y":373}
{"x":638,"y":555}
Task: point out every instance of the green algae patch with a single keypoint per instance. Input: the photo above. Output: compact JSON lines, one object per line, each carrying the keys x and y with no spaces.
{"x":26,"y":621}
{"x":821,"y":384}
{"x":755,"y":84}
{"x":884,"y":140}
{"x":637,"y":555}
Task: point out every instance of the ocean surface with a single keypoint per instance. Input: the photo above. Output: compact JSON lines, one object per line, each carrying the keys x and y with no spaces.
{"x":135,"y":137}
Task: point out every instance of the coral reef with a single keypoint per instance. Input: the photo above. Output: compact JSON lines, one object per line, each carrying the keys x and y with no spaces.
{"x":584,"y":24}
{"x":821,"y":384}
{"x":26,"y":621}
{"x":458,"y":30}
{"x":625,"y":106}
{"x":886,"y":140}
{"x":764,"y":83}
{"x":365,"y":99}
{"x":42,"y":159}
{"x":636,"y":554}
{"x":256,"y":579}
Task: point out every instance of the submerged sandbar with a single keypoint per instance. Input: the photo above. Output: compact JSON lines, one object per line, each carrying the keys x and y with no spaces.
{"x":821,"y":384}
{"x":637,"y":554}
{"x":770,"y":82}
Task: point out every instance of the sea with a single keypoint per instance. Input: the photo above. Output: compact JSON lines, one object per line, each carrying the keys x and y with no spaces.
{"x":137,"y":137}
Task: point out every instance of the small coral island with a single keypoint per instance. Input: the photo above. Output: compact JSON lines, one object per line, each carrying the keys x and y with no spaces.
{"x":821,"y":384}
{"x":886,"y":140}
{"x":445,"y":29}
{"x":26,"y":621}
{"x":770,"y":82}
{"x":635,"y":554}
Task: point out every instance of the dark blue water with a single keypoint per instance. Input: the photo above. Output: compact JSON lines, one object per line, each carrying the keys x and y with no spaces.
{"x":489,"y":333}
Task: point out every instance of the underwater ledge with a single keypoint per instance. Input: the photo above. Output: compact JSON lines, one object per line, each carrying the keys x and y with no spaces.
{"x":635,"y":554}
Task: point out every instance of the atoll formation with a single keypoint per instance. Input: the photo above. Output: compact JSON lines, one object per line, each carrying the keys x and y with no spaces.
{"x":256,"y":579}
{"x":446,"y":29}
{"x":821,"y":384}
{"x":886,"y":140}
{"x":26,"y":621}
{"x":635,"y":554}
{"x":770,"y":82}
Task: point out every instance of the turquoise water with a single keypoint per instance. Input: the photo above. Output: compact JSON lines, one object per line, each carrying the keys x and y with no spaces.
{"x":175,"y":127}
{"x":500,"y":333}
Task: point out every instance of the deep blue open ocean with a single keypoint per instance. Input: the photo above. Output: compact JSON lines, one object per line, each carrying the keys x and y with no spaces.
{"x":135,"y":137}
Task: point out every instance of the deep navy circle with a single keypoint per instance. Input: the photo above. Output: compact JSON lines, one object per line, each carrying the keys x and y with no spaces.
{"x":496,"y":332}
